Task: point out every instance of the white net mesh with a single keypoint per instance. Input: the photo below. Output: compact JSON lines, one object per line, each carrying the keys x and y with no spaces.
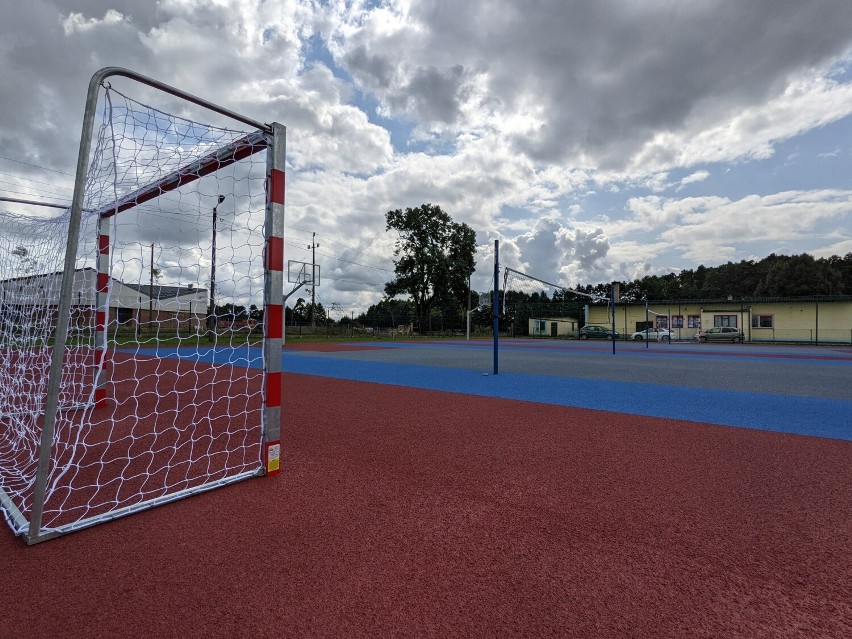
{"x":536,"y":289}
{"x":540,"y":308}
{"x":519,"y":287}
{"x":167,"y":399}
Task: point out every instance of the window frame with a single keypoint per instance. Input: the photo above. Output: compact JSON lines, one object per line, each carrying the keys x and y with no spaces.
{"x":724,"y":321}
{"x":757,"y":320}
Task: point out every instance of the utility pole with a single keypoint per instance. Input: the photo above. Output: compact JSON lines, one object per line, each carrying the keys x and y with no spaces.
{"x":313,"y":248}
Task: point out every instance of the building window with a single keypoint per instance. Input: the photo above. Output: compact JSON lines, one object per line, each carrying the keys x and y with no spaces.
{"x":725,"y":320}
{"x":761,"y":321}
{"x":539,"y":327}
{"x":693,"y":321}
{"x":662,"y":322}
{"x":677,"y":321}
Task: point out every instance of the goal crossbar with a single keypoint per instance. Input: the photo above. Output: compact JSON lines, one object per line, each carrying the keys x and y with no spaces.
{"x":238,"y":150}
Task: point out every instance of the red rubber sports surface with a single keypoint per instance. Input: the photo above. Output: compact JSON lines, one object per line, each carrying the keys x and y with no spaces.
{"x":403,"y":512}
{"x":140,"y":445}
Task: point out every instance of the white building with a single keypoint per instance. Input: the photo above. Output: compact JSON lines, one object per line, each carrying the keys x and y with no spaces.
{"x":142,"y":304}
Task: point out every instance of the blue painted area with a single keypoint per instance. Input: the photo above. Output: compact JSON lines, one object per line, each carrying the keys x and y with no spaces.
{"x":819,"y":417}
{"x":799,"y":415}
{"x":681,"y":350}
{"x":242,"y":356}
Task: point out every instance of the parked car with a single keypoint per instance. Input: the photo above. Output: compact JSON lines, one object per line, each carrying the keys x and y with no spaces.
{"x":591,"y":331}
{"x":654,"y":334}
{"x":720,"y":334}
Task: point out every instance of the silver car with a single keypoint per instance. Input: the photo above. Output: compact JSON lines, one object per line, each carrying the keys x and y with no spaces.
{"x":653,"y":334}
{"x":720,"y":334}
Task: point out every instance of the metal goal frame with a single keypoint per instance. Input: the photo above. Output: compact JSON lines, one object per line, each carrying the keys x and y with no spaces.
{"x":269,"y":137}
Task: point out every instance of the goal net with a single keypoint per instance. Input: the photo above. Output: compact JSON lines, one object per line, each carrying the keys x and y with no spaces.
{"x":150,"y":370}
{"x":538,"y":308}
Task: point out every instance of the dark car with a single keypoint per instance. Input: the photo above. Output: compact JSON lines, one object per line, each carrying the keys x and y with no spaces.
{"x":591,"y":331}
{"x":720,"y":334}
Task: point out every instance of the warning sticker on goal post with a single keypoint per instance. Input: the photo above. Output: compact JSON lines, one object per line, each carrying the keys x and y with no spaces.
{"x":273,"y":457}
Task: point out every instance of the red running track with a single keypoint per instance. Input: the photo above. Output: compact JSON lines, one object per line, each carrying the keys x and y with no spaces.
{"x":412,"y":513}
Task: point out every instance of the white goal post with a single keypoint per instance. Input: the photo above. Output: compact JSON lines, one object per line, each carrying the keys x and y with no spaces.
{"x":140,"y":344}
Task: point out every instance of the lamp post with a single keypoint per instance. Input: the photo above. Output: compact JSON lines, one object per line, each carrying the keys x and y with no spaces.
{"x":313,"y":248}
{"x":211,"y":310}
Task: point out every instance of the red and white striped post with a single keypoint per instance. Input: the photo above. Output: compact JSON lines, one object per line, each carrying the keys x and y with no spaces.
{"x":101,"y":311}
{"x":273,"y":299}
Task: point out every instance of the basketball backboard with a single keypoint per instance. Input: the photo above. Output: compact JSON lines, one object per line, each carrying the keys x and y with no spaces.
{"x":300,"y":273}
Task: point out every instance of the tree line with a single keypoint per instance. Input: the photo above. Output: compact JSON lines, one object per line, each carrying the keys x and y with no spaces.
{"x":434,"y":258}
{"x":773,"y":276}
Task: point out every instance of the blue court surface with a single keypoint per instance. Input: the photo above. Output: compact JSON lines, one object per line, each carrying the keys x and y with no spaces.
{"x":799,"y":390}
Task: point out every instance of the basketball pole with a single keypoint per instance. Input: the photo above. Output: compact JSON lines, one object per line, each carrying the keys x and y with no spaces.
{"x":647,"y":331}
{"x":284,"y":323}
{"x":613,"y":295}
{"x":495,"y":302}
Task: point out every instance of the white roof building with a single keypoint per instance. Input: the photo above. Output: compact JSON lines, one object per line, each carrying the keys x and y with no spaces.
{"x":44,"y":290}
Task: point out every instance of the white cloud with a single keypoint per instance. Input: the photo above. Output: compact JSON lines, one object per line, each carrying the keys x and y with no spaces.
{"x":565,"y":131}
{"x":747,"y":133}
{"x":843,"y":247}
{"x":703,"y":229}
{"x":76,"y":22}
{"x":692,"y":178}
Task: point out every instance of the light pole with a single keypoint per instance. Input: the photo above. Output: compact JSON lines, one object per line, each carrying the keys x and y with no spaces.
{"x":313,"y":248}
{"x":211,"y":310}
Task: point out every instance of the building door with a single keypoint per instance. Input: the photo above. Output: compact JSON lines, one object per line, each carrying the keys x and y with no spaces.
{"x":554,"y":329}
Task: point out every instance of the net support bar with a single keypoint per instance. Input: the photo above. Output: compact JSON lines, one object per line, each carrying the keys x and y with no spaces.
{"x":18,"y":518}
{"x":135,"y":508}
{"x":234,"y":152}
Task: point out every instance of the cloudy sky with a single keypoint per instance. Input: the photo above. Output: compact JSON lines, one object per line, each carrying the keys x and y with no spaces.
{"x":596,"y":140}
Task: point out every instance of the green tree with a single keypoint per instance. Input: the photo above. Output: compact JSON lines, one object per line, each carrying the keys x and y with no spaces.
{"x":773,"y":276}
{"x":435,"y":257}
{"x":838,"y":273}
{"x":27,"y":263}
{"x":388,"y":313}
{"x":301,"y":312}
{"x":795,"y":276}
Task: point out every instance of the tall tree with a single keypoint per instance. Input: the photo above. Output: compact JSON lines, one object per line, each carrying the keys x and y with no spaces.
{"x":797,"y":275}
{"x":386,"y":313}
{"x":302,"y":312}
{"x":435,"y":257}
{"x":838,"y":273}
